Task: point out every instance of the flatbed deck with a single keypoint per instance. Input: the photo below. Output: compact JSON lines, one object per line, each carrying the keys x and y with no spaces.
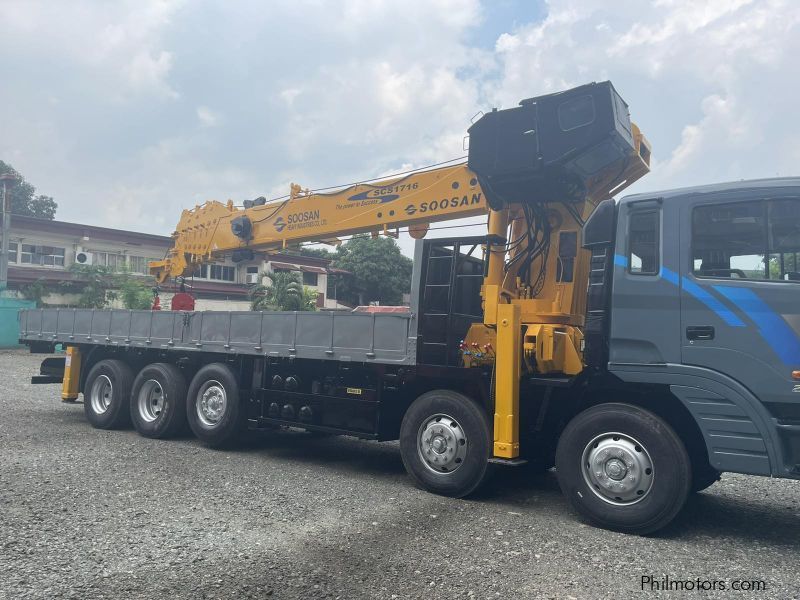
{"x":344,"y":336}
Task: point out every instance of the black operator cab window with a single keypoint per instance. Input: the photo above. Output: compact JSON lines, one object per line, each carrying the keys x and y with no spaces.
{"x":756,"y":240}
{"x":644,"y":228}
{"x":575,"y":113}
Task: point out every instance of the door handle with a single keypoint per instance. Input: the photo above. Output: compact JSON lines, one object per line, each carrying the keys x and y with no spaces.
{"x":700,"y":332}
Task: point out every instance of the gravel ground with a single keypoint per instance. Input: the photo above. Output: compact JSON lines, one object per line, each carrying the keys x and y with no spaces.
{"x":95,"y":514}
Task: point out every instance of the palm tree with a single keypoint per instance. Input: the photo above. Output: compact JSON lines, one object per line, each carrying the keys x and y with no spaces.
{"x":284,"y":292}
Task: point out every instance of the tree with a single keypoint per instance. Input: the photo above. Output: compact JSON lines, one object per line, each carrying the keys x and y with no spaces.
{"x":134,"y":292}
{"x":24,"y":200}
{"x":100,"y":286}
{"x":285,"y":292}
{"x":380,"y":272}
{"x":312,"y":252}
{"x":36,"y":292}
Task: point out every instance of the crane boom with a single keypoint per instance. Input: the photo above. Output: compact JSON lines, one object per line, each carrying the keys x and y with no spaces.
{"x":414,"y":200}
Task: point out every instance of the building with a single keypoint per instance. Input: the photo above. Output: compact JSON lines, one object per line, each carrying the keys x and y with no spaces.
{"x":43,"y":250}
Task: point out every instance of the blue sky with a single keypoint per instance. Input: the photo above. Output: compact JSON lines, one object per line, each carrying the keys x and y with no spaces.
{"x":127,"y":112}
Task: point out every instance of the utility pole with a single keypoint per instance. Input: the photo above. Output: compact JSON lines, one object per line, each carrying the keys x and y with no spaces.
{"x":8,"y":180}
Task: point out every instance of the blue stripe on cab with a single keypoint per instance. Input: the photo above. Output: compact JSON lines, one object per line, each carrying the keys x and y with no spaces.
{"x":669,"y":275}
{"x":726,"y":314}
{"x":772,"y":326}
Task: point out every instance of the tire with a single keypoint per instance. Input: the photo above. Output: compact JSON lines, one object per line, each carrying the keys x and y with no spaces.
{"x":704,"y":477}
{"x":460,"y":428}
{"x":158,"y":401}
{"x":213,"y":407}
{"x":602,"y":448}
{"x":107,"y":394}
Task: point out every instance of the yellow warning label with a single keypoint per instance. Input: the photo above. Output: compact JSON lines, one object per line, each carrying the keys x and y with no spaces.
{"x":356,"y":391}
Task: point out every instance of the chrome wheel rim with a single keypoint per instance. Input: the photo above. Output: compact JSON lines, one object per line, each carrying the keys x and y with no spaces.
{"x":211,"y":403}
{"x":618,"y":469}
{"x":101,"y":394}
{"x":442,"y":444}
{"x":152,"y":401}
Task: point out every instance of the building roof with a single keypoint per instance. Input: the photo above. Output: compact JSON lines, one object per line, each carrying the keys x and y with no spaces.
{"x":90,"y":231}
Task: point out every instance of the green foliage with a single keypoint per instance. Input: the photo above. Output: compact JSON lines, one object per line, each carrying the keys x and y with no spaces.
{"x":35,"y":292}
{"x":285,"y":292}
{"x":100,"y":286}
{"x":97,"y":289}
{"x":24,"y":200}
{"x":380,"y":272}
{"x":134,"y":292}
{"x":306,"y":251}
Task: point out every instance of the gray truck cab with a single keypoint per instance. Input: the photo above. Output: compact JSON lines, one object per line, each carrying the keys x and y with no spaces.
{"x":705,"y":300}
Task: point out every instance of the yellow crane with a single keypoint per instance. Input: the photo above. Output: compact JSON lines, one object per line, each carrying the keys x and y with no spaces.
{"x":534,"y":289}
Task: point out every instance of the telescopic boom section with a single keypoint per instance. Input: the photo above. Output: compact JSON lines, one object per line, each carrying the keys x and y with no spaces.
{"x":565,"y":151}
{"x":207,"y":232}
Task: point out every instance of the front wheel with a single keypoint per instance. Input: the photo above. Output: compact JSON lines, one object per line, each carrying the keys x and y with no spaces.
{"x":623,"y":468}
{"x":213,"y":408}
{"x":445,"y":443}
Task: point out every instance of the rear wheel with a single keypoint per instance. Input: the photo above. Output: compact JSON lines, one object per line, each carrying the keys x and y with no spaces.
{"x":445,"y":443}
{"x":107,"y":393}
{"x":158,"y":401}
{"x":213,"y":409}
{"x":623,"y":468}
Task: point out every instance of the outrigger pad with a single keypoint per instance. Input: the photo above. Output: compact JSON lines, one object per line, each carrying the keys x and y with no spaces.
{"x":553,"y":147}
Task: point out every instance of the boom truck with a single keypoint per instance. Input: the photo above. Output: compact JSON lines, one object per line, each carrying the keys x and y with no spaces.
{"x":642,"y":346}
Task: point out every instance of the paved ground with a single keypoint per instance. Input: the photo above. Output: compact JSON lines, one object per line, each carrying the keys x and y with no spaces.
{"x":95,"y":514}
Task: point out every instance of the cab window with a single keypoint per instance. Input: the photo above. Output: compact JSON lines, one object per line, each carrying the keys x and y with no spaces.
{"x":757,"y":240}
{"x":643,"y":243}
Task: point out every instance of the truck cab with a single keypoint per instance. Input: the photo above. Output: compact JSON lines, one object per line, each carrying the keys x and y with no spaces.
{"x":706,"y":301}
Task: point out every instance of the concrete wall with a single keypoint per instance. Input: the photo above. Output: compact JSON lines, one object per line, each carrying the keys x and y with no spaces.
{"x":9,"y":325}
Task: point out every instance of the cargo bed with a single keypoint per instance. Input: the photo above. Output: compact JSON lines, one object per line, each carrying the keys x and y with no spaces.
{"x":362,"y":337}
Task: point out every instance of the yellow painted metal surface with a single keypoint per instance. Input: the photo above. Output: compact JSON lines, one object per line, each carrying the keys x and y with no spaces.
{"x":536,"y":328}
{"x":204,"y":232}
{"x":72,"y":375}
{"x":507,"y":373}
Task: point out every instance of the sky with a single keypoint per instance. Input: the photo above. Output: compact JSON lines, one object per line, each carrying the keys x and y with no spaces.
{"x":127,"y":112}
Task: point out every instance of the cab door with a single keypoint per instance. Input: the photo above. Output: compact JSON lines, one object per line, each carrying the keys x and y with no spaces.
{"x":740,"y":306}
{"x":646,"y":301}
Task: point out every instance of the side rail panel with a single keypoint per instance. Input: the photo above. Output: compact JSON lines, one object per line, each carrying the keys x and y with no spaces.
{"x":359,"y":337}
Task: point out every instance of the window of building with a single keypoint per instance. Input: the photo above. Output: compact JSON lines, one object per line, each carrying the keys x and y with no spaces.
{"x":310,"y":279}
{"x":223,"y":273}
{"x":140,"y":264}
{"x":643,"y":243}
{"x":13,"y":247}
{"x":45,"y":256}
{"x":215,"y":272}
{"x":747,"y":240}
{"x":112,"y":260}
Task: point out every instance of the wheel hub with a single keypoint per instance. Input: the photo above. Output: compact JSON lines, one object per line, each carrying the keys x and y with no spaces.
{"x":617,"y":468}
{"x":442,"y":444}
{"x":211,"y":403}
{"x":101,"y":394}
{"x":151,"y":401}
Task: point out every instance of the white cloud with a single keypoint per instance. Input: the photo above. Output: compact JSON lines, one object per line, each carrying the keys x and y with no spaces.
{"x":148,"y":107}
{"x":708,"y":81}
{"x":206,"y":116}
